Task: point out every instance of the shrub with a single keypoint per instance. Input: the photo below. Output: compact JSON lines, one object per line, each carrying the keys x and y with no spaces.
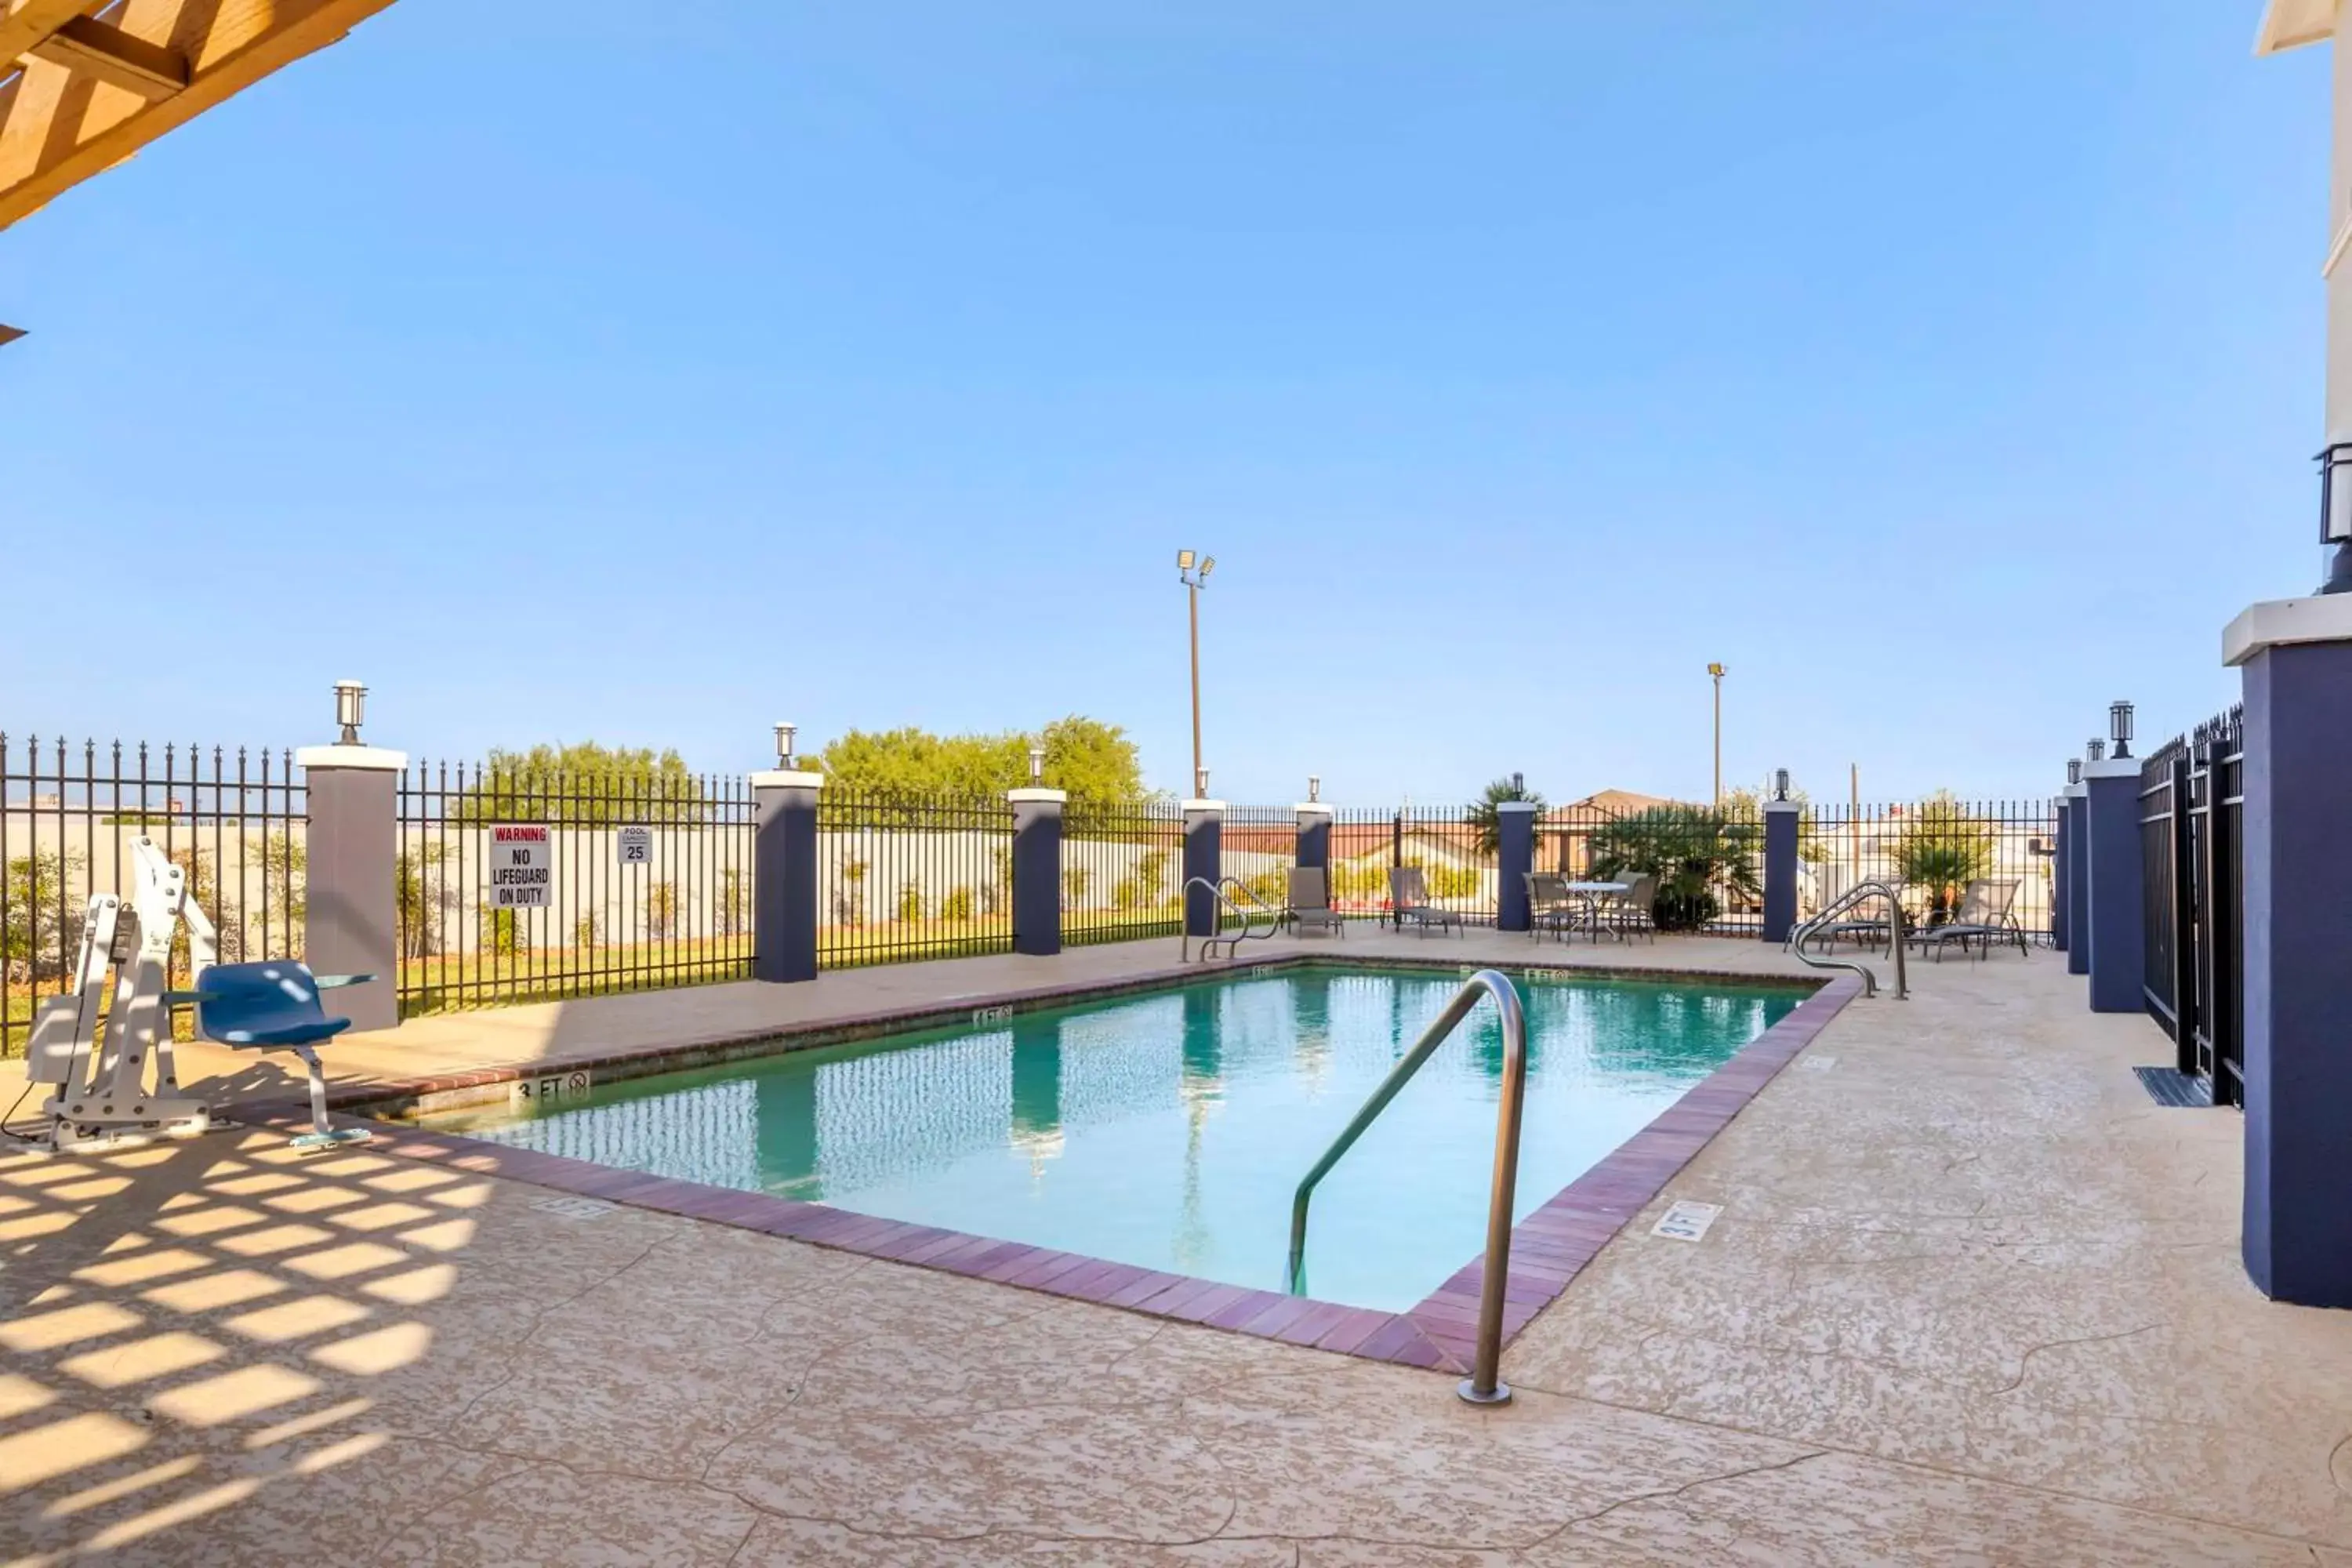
{"x":1692,"y":851}
{"x":957,"y":905}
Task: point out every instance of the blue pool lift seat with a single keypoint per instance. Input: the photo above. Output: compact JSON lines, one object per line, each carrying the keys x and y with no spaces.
{"x":273,"y":1006}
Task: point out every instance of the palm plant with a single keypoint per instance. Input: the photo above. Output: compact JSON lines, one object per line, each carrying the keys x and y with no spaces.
{"x":1485,"y":818}
{"x":1944,"y":848}
{"x":1693,"y":852}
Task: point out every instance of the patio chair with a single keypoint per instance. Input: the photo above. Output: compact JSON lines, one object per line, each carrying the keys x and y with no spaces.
{"x":1630,"y":913}
{"x":1409,"y":901}
{"x":273,"y":1006}
{"x":1984,"y":917}
{"x":1551,"y":906}
{"x":1310,"y":902}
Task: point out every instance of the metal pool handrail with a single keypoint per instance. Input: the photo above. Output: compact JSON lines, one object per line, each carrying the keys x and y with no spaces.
{"x":1484,"y":1386}
{"x":1894,"y":936}
{"x":1249,"y":931}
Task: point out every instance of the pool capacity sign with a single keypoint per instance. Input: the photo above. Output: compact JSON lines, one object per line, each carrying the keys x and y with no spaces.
{"x":522,"y":867}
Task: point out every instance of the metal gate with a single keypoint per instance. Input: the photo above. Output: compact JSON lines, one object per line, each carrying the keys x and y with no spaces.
{"x":2191,"y":803}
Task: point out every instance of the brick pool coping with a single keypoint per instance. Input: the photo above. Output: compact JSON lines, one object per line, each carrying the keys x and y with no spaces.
{"x":1549,"y":1249}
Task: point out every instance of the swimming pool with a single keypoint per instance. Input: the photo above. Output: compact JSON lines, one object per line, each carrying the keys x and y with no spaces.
{"x":1168,"y":1128}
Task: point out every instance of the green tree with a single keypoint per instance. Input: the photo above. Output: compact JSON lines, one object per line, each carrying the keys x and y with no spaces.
{"x":1691,"y":849}
{"x":43,"y":933}
{"x":583,"y":785}
{"x":1944,"y":847}
{"x":1485,"y":816}
{"x":1094,"y":762}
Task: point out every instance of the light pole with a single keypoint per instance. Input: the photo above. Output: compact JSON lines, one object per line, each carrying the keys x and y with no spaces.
{"x":1194,"y":579}
{"x":1717,"y":671}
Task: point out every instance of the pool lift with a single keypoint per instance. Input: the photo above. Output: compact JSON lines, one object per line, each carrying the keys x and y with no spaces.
{"x":1828,"y":919}
{"x":93,"y":1053}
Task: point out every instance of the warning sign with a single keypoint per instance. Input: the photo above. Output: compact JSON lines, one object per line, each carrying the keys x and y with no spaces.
{"x":522,"y":867}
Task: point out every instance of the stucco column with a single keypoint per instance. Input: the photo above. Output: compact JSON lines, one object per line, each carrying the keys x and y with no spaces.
{"x":1204,"y":856}
{"x":2078,"y":884}
{"x":351,"y":921}
{"x":783,"y":874}
{"x":2116,"y":875}
{"x":1780,"y":820}
{"x":1515,"y":857}
{"x":1037,"y":869}
{"x":2296,"y":658}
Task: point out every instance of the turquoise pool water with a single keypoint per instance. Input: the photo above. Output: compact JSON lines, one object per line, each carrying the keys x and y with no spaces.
{"x":1169,"y":1128}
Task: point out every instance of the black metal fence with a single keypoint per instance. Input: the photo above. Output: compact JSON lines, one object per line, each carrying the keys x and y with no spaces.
{"x":1258,"y":847}
{"x":2191,"y":847}
{"x":1454,"y":848}
{"x":646,"y":884}
{"x":233,"y":820}
{"x":907,"y":876}
{"x":1122,"y":870}
{"x":1933,"y":850}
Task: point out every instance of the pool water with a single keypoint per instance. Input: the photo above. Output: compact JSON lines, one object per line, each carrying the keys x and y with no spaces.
{"x":1169,"y":1128}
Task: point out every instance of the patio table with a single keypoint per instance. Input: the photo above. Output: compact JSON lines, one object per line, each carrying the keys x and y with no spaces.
{"x":1593,"y":893}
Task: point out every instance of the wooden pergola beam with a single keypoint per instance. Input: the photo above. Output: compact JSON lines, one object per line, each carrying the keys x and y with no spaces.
{"x":73,"y":114}
{"x":24,"y":23}
{"x":153,"y":71}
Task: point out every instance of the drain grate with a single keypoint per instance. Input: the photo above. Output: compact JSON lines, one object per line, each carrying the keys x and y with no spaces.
{"x":2171,"y":1086}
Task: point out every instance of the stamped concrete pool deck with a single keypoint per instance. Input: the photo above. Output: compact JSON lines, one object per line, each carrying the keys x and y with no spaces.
{"x":1972,"y":1297}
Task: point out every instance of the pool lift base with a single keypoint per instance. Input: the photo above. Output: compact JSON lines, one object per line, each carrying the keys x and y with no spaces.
{"x":1468,"y":1389}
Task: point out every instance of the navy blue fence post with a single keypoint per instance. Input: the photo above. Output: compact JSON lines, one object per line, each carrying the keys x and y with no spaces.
{"x":1205,"y":839}
{"x":2117,"y":878}
{"x":1037,"y":870}
{"x":1514,"y":857}
{"x":2061,"y":883}
{"x":1314,"y":849}
{"x":2296,"y":656}
{"x":783,"y":875}
{"x":1780,"y":820}
{"x":2078,"y":884}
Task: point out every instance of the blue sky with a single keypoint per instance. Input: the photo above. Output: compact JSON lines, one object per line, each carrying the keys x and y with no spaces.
{"x":1945,"y":371}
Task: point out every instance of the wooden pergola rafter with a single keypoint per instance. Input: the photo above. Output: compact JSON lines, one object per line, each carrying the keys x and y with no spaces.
{"x":84,"y":85}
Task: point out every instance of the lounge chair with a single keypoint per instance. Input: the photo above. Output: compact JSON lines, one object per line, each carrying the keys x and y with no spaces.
{"x":1551,"y":906}
{"x":1310,"y":902}
{"x":1409,"y":901}
{"x":1983,"y":917}
{"x":1629,"y":913}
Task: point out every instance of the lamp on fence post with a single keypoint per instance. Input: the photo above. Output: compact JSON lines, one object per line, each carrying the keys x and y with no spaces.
{"x":350,"y":710}
{"x":2096,"y":751}
{"x":1779,"y":784}
{"x":2336,"y":514}
{"x":2119,"y":724}
{"x":1314,"y":788}
{"x":784,"y":733}
{"x":2073,"y":771}
{"x":1036,"y":766}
